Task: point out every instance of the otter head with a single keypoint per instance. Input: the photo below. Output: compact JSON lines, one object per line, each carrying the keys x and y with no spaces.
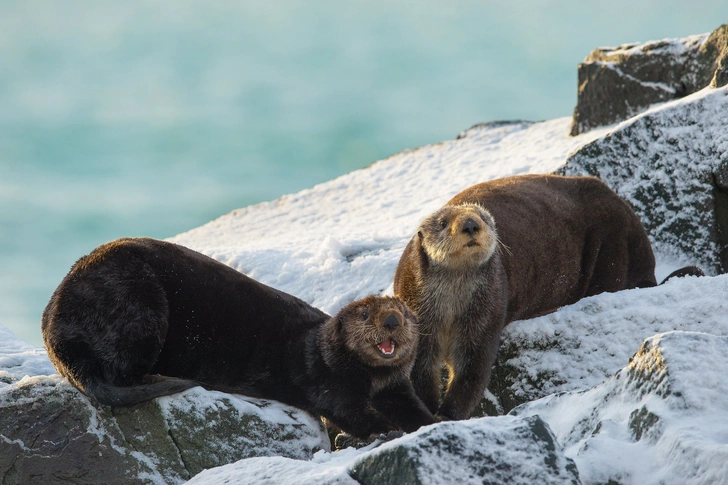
{"x":458,"y":236}
{"x":380,"y":330}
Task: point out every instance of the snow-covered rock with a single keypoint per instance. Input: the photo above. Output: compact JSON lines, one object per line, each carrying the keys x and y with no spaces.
{"x":583,"y":344}
{"x":486,"y":450}
{"x":671,"y":165}
{"x":616,"y":83}
{"x":663,"y":419}
{"x":51,"y":433}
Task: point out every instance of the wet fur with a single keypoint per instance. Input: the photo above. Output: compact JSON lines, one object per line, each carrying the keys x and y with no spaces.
{"x":139,"y":318}
{"x":558,"y":239}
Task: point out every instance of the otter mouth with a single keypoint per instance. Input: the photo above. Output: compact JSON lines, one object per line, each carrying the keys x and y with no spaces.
{"x":387,"y":348}
{"x":472,"y":243}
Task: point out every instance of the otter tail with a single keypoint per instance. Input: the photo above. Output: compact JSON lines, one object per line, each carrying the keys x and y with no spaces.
{"x":686,"y":271}
{"x":121,"y":396}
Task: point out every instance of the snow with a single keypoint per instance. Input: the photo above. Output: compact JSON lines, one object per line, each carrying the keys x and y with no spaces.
{"x":672,"y":47}
{"x":678,"y":377}
{"x":18,"y":359}
{"x":323,"y":469}
{"x":341,"y":240}
{"x":566,"y":350}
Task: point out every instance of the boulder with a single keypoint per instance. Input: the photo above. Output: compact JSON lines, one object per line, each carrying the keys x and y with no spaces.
{"x":51,"y":433}
{"x":671,"y":165}
{"x":581,"y":345}
{"x":616,"y":83}
{"x":662,"y":419}
{"x":505,"y":449}
{"x":486,"y":450}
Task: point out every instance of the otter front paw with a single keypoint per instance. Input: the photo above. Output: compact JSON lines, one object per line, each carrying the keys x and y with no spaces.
{"x":345,"y":440}
{"x":392,"y":435}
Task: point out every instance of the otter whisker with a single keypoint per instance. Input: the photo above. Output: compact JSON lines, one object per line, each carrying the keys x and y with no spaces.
{"x":502,"y":245}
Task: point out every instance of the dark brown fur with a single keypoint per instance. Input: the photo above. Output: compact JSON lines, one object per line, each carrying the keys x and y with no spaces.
{"x":140,"y":318}
{"x":560,"y":239}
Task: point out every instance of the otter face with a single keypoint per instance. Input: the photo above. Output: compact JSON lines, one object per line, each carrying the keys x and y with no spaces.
{"x":459,"y":236}
{"x":380,"y":330}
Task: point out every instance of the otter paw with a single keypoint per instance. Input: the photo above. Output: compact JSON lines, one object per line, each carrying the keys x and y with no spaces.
{"x":345,"y":440}
{"x":392,"y":435}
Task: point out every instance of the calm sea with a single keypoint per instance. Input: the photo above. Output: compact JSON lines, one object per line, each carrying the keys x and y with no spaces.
{"x":150,"y":118}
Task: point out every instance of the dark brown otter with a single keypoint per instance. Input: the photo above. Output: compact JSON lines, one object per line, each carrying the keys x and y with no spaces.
{"x":140,"y":318}
{"x":558,"y":239}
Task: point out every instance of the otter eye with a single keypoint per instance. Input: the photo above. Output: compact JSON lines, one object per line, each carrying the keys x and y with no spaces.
{"x":364,"y":314}
{"x":443,"y":223}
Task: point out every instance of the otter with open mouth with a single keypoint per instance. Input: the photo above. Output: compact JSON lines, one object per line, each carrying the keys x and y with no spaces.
{"x":140,"y":318}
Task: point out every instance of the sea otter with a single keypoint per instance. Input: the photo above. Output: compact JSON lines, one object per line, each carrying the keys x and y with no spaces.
{"x":140,"y":318}
{"x":506,"y":250}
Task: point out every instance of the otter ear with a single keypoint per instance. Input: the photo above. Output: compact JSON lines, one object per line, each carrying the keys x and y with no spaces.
{"x":339,"y":327}
{"x":419,"y":233}
{"x":334,"y":327}
{"x":424,"y":258}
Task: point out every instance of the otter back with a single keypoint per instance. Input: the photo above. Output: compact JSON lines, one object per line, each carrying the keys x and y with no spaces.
{"x":525,"y":246}
{"x":140,"y":318}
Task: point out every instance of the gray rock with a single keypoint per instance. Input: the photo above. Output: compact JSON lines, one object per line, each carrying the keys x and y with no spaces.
{"x":671,"y":165}
{"x":717,"y":46}
{"x":581,"y":345}
{"x":660,"y":420}
{"x":484,"y":450}
{"x":52,"y":434}
{"x":505,"y":449}
{"x":616,"y":83}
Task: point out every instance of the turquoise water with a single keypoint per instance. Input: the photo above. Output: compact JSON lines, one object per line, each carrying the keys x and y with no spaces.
{"x":151,"y":118}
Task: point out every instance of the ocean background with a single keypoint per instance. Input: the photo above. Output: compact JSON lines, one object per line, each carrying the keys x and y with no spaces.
{"x":151,"y":118}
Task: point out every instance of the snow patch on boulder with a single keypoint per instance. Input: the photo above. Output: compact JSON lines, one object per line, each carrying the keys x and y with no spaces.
{"x":661,"y":419}
{"x":580,"y":345}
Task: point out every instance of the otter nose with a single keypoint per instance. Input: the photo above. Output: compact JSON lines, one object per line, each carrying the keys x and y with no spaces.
{"x":391,"y":322}
{"x":470,"y":226}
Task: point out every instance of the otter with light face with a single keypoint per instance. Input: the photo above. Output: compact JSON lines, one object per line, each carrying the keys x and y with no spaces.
{"x":138,"y":319}
{"x":506,"y":250}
